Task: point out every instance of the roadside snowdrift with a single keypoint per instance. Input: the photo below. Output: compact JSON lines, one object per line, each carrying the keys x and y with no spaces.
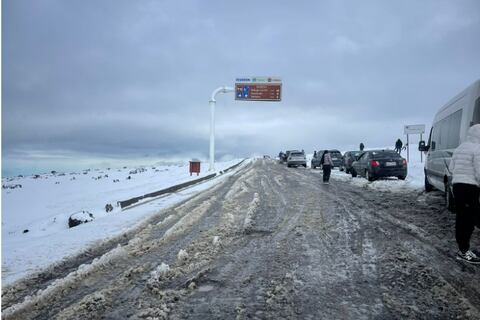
{"x":35,"y":230}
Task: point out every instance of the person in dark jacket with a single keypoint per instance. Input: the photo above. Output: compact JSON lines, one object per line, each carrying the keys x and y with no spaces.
{"x":327,"y":165}
{"x":398,"y":146}
{"x":362,"y":146}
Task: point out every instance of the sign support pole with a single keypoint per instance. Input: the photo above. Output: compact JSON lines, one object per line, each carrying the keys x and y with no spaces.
{"x":413,"y":129}
{"x":408,"y":150}
{"x":421,"y":153}
{"x":212,"y":103}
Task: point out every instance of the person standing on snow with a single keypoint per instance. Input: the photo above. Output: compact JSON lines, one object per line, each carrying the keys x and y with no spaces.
{"x":327,"y":165}
{"x":465,"y":170}
{"x":398,"y":146}
{"x":362,"y":146}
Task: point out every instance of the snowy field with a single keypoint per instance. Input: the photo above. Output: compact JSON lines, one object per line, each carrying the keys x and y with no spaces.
{"x":43,"y":204}
{"x":414,"y":180}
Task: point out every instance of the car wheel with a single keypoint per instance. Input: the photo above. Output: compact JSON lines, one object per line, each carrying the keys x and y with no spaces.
{"x":288,"y":165}
{"x":368,"y":176}
{"x":305,"y":165}
{"x":401,"y":177}
{"x":354,"y":173}
{"x":449,"y":199}
{"x":428,"y":186}
{"x":347,"y":171}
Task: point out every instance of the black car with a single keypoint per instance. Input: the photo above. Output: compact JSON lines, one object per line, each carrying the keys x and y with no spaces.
{"x":336,"y":158}
{"x":374,"y":164}
{"x":348,"y":158}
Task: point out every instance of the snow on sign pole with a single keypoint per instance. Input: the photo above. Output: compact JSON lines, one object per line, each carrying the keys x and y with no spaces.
{"x":413,"y":129}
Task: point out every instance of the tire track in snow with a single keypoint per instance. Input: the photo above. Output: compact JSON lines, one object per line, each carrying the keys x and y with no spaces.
{"x":134,"y":246}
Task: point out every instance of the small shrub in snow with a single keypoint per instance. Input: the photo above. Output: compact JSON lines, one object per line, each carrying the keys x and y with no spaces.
{"x":128,"y":178}
{"x":108,"y":207}
{"x":79,"y":218}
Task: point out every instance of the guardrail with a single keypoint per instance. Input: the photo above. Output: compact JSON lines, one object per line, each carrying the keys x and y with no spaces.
{"x":125,"y":203}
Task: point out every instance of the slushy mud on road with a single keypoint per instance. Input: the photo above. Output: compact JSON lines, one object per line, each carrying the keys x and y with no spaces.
{"x":270,"y":242}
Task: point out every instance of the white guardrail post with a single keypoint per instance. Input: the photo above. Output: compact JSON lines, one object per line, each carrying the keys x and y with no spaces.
{"x":223,"y":89}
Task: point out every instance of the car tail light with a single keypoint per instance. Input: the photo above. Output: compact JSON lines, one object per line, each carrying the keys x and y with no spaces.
{"x":404,"y":162}
{"x":374,"y":163}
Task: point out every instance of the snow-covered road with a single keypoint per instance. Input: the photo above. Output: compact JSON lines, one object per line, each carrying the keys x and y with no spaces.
{"x":270,"y":242}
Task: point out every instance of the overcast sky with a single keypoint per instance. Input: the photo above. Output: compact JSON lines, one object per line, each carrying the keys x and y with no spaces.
{"x":85,"y":82}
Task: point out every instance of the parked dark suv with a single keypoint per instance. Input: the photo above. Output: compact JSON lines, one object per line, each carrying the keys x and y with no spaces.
{"x":336,"y":158}
{"x":348,"y":158}
{"x":374,"y":164}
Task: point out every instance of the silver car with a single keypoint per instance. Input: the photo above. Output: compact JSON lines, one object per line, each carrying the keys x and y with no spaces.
{"x":297,"y":158}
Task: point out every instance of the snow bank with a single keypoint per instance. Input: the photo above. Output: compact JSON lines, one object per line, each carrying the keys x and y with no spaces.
{"x":45,"y":202}
{"x":82,"y":272}
{"x":252,"y":208}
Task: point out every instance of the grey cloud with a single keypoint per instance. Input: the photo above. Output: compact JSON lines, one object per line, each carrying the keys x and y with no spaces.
{"x":109,"y":78}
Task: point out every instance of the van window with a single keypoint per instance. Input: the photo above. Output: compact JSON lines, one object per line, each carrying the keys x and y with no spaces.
{"x":446,"y":133}
{"x":476,"y":113}
{"x":430,"y":139}
{"x":454,"y":123}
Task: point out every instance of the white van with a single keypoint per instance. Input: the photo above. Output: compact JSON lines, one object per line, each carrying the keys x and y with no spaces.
{"x":449,"y":130}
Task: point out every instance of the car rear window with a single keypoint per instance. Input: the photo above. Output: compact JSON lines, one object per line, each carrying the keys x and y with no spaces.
{"x":296,"y":154}
{"x":382,"y":154}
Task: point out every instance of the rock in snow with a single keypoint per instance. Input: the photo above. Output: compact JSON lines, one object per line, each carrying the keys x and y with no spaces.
{"x":79,"y":218}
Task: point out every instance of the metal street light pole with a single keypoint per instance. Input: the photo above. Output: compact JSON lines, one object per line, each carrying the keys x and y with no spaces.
{"x":223,"y":89}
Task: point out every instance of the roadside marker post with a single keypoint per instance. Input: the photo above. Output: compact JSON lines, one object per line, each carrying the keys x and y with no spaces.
{"x":413,"y":129}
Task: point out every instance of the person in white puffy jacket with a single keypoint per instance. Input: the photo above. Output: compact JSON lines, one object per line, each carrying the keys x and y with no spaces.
{"x":465,"y":169}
